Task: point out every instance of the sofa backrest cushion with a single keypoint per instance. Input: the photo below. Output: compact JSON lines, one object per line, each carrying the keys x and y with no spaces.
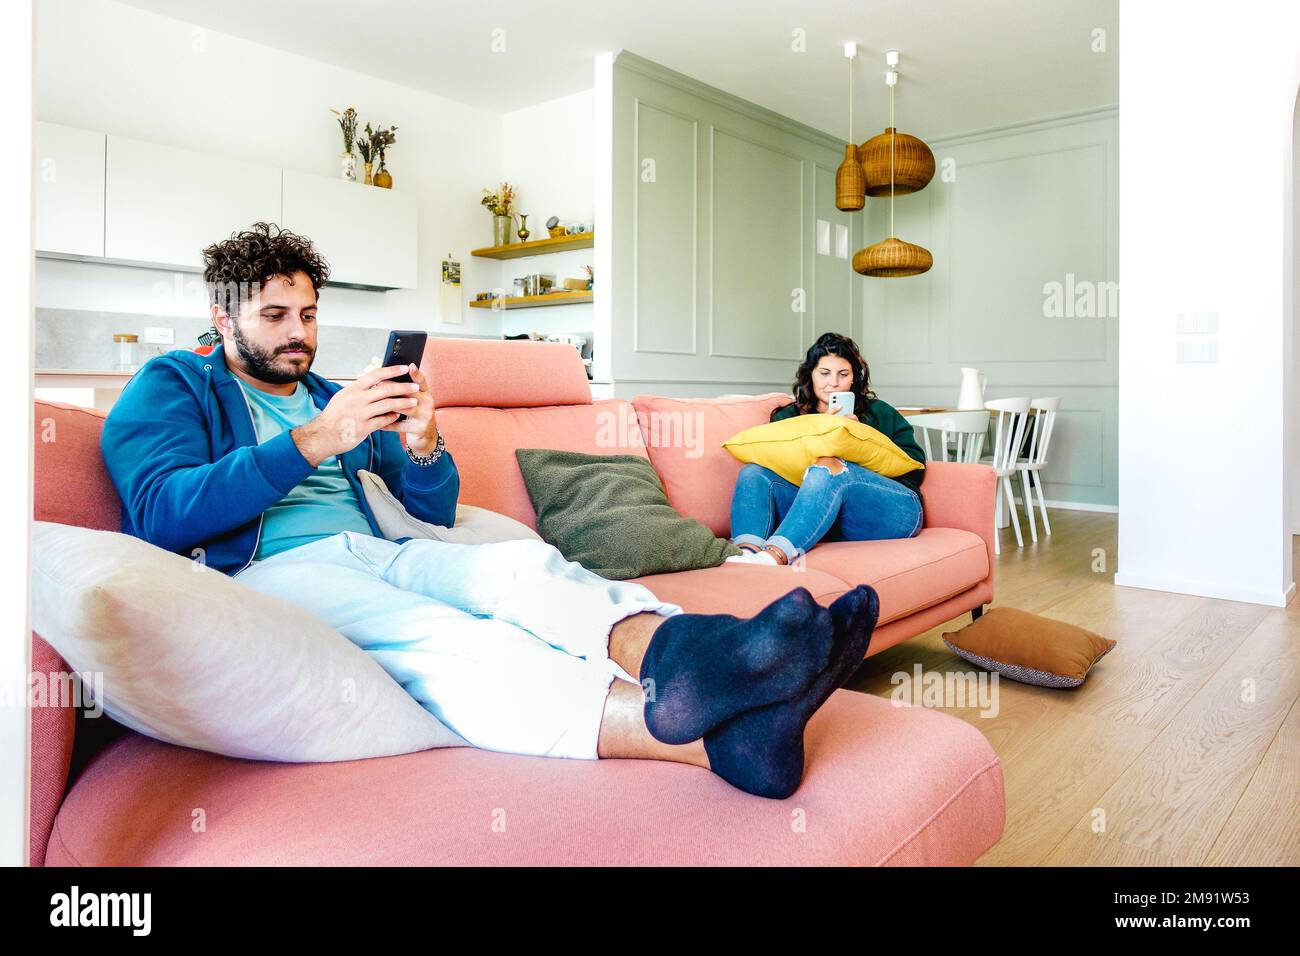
{"x":501,"y":374}
{"x":684,"y":437}
{"x":483,"y":443}
{"x":71,"y":483}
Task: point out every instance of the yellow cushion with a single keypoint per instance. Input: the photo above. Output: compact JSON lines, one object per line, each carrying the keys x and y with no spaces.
{"x":789,"y":446}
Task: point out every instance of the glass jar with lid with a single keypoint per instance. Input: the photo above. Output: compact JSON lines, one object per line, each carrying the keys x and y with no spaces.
{"x":127,"y":348}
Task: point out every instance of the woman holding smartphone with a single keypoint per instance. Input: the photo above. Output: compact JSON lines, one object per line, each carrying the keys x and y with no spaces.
{"x":774,"y":522}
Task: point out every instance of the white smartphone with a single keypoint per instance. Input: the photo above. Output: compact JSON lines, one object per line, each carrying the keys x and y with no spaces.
{"x":842,"y":403}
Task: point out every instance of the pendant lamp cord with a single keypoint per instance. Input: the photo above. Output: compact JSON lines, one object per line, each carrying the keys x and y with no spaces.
{"x":850,"y":59}
{"x":893,"y":136}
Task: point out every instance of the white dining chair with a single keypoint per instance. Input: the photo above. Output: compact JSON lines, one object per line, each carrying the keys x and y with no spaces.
{"x":1031,"y":466}
{"x":966,"y":430}
{"x":1008,"y":437}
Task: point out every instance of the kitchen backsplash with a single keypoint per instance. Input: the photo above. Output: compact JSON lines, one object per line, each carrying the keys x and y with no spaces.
{"x":82,"y":340}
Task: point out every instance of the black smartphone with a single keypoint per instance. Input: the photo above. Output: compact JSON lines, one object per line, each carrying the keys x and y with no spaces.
{"x":404,"y":348}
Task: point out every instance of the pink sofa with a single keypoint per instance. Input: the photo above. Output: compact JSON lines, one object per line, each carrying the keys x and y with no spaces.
{"x":884,"y":784}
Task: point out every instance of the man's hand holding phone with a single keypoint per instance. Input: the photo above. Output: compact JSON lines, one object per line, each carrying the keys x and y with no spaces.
{"x":371,"y":403}
{"x":420,"y":425}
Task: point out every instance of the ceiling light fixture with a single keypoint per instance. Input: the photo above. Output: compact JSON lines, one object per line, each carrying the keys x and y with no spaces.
{"x":850,"y":180}
{"x":893,"y":258}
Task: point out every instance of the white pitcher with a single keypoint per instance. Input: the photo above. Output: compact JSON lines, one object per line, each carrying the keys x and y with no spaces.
{"x":971,"y":397}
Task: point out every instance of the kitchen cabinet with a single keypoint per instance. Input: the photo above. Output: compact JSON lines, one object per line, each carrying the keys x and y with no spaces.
{"x":163,"y":205}
{"x":367,"y":234}
{"x":69,"y":191}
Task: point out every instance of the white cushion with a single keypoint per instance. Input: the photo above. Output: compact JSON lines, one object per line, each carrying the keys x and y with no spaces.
{"x":191,"y":656}
{"x":474,"y":525}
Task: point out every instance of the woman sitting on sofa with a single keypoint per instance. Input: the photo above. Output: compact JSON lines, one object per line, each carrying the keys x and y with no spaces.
{"x":774,"y":521}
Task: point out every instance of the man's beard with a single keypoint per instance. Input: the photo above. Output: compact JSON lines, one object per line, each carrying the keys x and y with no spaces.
{"x":258,"y":361}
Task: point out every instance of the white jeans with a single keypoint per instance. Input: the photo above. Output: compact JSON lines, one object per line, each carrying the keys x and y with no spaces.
{"x":507,"y":644}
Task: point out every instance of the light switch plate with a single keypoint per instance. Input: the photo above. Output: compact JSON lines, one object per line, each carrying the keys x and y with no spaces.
{"x":1198,"y":351}
{"x":841,"y":241}
{"x":158,"y":336}
{"x":823,"y":237}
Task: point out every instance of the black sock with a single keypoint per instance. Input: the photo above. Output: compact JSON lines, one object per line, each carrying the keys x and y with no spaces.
{"x":703,"y":669}
{"x":761,"y":751}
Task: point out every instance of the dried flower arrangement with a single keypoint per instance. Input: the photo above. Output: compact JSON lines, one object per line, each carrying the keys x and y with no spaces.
{"x":499,"y":203}
{"x":348,"y":124}
{"x":375,"y":142}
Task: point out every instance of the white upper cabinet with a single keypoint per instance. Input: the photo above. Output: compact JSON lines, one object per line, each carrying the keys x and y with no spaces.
{"x":367,"y":234}
{"x":69,"y":191}
{"x":102,"y":196}
{"x":163,"y":205}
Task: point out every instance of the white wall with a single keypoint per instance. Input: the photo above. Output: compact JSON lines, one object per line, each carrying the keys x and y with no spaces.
{"x":1205,"y":174}
{"x":547,"y":155}
{"x":106,"y":66}
{"x":1294,"y":507}
{"x":15,"y":396}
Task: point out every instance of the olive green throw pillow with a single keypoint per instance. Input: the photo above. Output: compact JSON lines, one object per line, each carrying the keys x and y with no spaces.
{"x":611,"y":515}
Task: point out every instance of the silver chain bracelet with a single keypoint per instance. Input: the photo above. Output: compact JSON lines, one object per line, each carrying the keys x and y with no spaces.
{"x":430,"y":458}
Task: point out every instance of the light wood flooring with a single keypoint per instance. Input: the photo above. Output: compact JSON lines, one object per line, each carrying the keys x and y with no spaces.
{"x":1181,"y":748}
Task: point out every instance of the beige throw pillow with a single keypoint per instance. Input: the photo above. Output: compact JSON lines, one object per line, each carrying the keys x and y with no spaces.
{"x":192,"y":657}
{"x":473,"y":525}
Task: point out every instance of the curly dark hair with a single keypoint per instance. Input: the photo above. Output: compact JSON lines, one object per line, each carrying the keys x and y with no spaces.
{"x":832,"y":343}
{"x":234,"y":268}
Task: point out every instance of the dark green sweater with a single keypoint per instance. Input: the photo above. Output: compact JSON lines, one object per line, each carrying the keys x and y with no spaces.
{"x":885,"y":419}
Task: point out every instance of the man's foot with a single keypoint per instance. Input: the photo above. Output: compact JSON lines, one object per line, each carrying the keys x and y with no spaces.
{"x":761,"y":751}
{"x":701,"y":670}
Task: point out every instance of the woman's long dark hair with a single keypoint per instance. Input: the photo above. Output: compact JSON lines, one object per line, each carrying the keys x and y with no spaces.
{"x":832,"y":343}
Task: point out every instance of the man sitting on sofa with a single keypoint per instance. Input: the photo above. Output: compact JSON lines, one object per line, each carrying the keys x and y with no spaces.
{"x":247,"y":461}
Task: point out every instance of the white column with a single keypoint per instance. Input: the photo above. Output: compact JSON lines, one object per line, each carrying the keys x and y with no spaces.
{"x":16,"y":399}
{"x":1206,"y":116}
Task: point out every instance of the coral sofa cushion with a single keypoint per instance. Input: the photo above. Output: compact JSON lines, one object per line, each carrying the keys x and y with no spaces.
{"x":884,"y":785}
{"x":192,"y":657}
{"x":740,"y":589}
{"x":909,"y":574}
{"x":483,"y":443}
{"x":1029,"y":648}
{"x":684,"y":437}
{"x":789,"y":446}
{"x":493,"y":373}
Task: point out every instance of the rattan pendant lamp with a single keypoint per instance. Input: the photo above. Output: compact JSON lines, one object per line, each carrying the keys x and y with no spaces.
{"x":850,"y":180}
{"x":894,"y":258}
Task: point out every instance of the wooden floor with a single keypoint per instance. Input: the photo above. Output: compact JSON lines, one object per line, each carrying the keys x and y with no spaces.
{"x":1181,"y":748}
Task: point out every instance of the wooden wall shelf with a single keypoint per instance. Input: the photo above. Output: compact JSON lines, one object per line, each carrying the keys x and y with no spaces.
{"x":534,"y":301}
{"x":537,"y":247}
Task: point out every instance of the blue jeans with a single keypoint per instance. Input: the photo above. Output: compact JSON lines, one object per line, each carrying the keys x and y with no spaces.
{"x":855,"y":505}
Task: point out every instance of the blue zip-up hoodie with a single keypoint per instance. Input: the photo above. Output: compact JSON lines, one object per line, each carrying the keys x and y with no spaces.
{"x":182,"y":449}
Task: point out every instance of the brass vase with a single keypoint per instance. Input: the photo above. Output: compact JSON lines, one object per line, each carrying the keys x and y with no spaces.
{"x":369,"y":180}
{"x":500,"y":230}
{"x":383,"y":178}
{"x":523,"y":228}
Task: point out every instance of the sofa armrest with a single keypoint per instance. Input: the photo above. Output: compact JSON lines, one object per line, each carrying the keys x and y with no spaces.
{"x":961,"y":496}
{"x":53,"y":729}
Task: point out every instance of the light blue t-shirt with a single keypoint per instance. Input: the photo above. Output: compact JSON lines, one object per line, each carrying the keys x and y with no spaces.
{"x":321,"y":504}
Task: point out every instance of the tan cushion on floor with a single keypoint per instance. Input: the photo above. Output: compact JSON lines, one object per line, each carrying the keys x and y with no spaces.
{"x":1029,"y":648}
